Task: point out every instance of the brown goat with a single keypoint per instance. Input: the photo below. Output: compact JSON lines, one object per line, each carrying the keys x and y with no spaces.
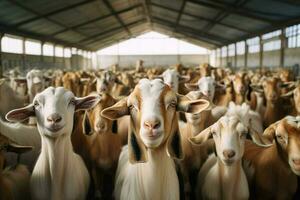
{"x":277,"y":163}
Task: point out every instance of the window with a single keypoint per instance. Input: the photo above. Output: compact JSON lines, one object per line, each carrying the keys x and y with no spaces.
{"x":271,"y":41}
{"x":33,"y":47}
{"x":74,"y":51}
{"x":253,"y":45}
{"x":79,"y":52}
{"x":293,"y":36}
{"x":12,"y":44}
{"x":224,"y":52}
{"x":59,"y":51}
{"x":67,"y":53}
{"x":48,"y":49}
{"x":231,"y":50}
{"x":271,"y":35}
{"x":240,"y":48}
{"x":153,"y":43}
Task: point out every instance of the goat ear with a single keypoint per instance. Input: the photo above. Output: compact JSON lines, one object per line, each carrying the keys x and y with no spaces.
{"x":174,"y":145}
{"x":257,"y":88}
{"x":192,"y":106}
{"x":136,"y":149}
{"x":20,"y":114}
{"x":265,"y":139}
{"x":2,"y":81}
{"x":201,"y":137}
{"x":191,"y":86}
{"x":85,"y":103}
{"x":117,"y":110}
{"x":183,"y":79}
{"x":13,"y":147}
{"x":86,"y":124}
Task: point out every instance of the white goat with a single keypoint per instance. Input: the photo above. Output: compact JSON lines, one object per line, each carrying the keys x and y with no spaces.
{"x":59,"y":173}
{"x":9,"y":99}
{"x":207,"y":85}
{"x":222,"y":175}
{"x":35,"y":83}
{"x":172,"y":78}
{"x":23,"y":135}
{"x":146,"y":169}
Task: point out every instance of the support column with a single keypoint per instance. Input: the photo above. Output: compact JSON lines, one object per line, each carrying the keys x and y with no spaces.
{"x":261,"y":53}
{"x":282,"y":47}
{"x":23,"y":54}
{"x":220,"y":57}
{"x":216,"y":57}
{"x":54,"y":57}
{"x":1,"y":66}
{"x":246,"y":56}
{"x":227,"y":56}
{"x":235,"y":56}
{"x":64,"y":59}
{"x":42,"y":52}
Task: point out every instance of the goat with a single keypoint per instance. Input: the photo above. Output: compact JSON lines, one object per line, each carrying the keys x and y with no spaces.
{"x":14,"y":182}
{"x":172,"y":78}
{"x":59,"y":173}
{"x":276,"y":161}
{"x":146,"y":169}
{"x":9,"y":99}
{"x":222,"y":175}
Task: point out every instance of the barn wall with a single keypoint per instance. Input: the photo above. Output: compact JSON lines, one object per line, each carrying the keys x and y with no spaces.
{"x":11,"y":61}
{"x":126,"y":61}
{"x":270,"y":59}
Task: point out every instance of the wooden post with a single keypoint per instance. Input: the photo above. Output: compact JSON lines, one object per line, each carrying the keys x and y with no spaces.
{"x":23,"y":54}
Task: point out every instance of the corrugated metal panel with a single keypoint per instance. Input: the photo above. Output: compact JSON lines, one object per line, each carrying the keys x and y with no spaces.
{"x":169,"y":3}
{"x":192,"y":22}
{"x":42,"y":26}
{"x":164,"y":14}
{"x":100,"y":26}
{"x":70,"y":36}
{"x":223,"y":31}
{"x":65,"y":18}
{"x":45,"y":6}
{"x":273,"y":10}
{"x":199,"y":10}
{"x":11,"y":14}
{"x":122,"y":4}
{"x":244,"y":22}
{"x":93,"y":10}
{"x":131,"y":16}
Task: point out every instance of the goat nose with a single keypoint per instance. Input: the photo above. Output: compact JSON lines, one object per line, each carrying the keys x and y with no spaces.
{"x":54,"y":118}
{"x":228,"y":153}
{"x":152,"y":124}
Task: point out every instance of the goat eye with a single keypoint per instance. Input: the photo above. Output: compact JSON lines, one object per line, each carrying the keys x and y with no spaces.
{"x":36,"y":103}
{"x":214,"y":133}
{"x":280,"y":137}
{"x":72,"y":102}
{"x":173,"y":104}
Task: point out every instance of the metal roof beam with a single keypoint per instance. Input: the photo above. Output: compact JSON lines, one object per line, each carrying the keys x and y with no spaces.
{"x":277,"y":26}
{"x":95,"y":36}
{"x":180,"y":14}
{"x":221,"y":5}
{"x":216,"y":40}
{"x":40,"y":16}
{"x":145,"y":4}
{"x":203,"y":18}
{"x":97,"y":19}
{"x":55,"y":12}
{"x":223,"y":14}
{"x":112,"y":10}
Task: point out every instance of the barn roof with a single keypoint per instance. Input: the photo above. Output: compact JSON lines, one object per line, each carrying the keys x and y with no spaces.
{"x":94,"y":24}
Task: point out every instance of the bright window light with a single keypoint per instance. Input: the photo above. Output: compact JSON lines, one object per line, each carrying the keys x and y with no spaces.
{"x":67,"y":53}
{"x":79,"y":52}
{"x":48,"y":49}
{"x":59,"y":51}
{"x":12,"y":44}
{"x":33,"y":47}
{"x":74,"y":51}
{"x":152,"y":43}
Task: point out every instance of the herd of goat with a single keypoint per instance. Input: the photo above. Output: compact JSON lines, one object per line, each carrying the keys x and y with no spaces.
{"x":150,"y":134}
